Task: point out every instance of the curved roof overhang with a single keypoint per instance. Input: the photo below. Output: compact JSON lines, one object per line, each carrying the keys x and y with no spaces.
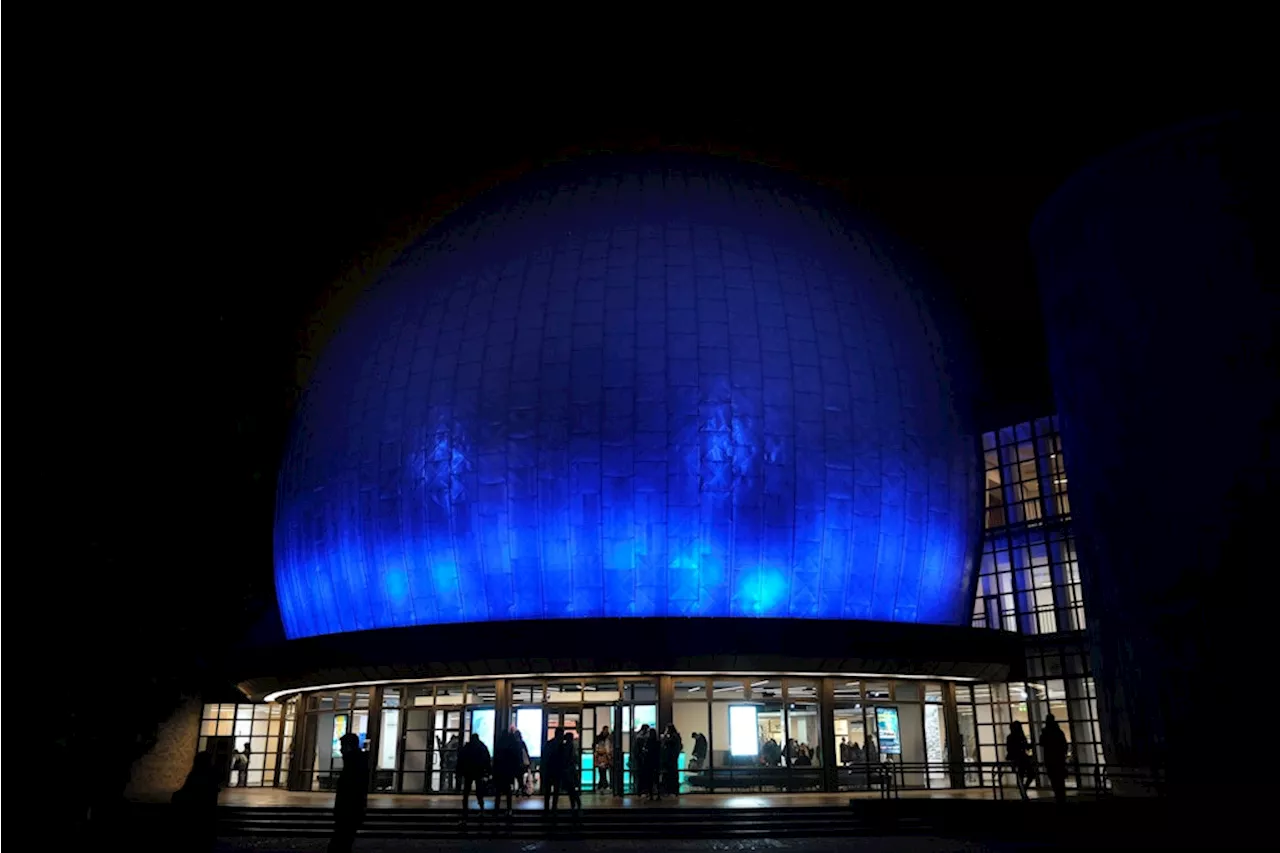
{"x":576,"y":646}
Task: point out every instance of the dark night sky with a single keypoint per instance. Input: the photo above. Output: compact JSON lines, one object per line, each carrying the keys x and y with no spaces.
{"x":214,"y":237}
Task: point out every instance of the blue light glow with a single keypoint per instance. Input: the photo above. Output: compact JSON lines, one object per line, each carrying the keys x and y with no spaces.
{"x":631,"y":388}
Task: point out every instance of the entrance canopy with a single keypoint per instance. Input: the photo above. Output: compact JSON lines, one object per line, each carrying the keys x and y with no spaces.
{"x":631,"y":645}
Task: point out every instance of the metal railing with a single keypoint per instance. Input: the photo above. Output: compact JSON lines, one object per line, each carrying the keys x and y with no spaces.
{"x":1097,"y":780}
{"x":887,"y":779}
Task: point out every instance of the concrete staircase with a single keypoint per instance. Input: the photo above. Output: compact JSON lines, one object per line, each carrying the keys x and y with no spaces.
{"x":649,"y":821}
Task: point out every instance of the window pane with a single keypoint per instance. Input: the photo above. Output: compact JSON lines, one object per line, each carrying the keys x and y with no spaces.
{"x":728,"y":690}
{"x":601,"y":692}
{"x":388,"y":739}
{"x":691,"y":689}
{"x":481,"y":693}
{"x":527,"y":693}
{"x":566,"y":694}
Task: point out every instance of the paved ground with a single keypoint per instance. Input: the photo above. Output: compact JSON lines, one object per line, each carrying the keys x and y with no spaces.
{"x":831,"y":845}
{"x":272,"y":797}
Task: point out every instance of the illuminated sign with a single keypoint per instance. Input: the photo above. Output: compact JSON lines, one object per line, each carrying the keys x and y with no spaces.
{"x":887,"y":731}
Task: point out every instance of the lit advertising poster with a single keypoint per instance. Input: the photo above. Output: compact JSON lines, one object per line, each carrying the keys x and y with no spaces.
{"x":482,"y":721}
{"x":887,"y":731}
{"x":744,"y":736}
{"x":529,"y":722}
{"x":339,"y":729}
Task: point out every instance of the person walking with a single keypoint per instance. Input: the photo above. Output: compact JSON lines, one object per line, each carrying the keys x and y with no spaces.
{"x":351,"y":799}
{"x":1054,"y":744}
{"x":571,"y":774}
{"x":1018,"y":754}
{"x":474,"y":766}
{"x":549,"y":773}
{"x":506,"y":767}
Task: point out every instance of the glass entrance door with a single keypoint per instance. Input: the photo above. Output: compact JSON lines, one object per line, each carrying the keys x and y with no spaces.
{"x":447,"y":741}
{"x":568,"y":721}
{"x":635,"y":715}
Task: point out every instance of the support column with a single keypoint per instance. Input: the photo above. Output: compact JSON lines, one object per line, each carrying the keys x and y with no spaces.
{"x":1057,"y":551}
{"x":503,"y":716}
{"x":827,"y":725}
{"x":302,"y":764}
{"x":666,"y":699}
{"x":955,"y":741}
{"x":1081,"y":730}
{"x":375,"y":734}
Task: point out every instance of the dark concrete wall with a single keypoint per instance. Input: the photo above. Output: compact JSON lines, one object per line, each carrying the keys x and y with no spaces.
{"x":164,"y":768}
{"x":1158,"y":289}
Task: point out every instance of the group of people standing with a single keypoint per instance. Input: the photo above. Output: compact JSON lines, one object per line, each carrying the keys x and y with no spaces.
{"x":1053,"y":743}
{"x":655,"y":761}
{"x":560,"y":770}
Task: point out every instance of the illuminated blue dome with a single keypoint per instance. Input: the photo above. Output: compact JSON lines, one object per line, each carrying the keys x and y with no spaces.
{"x":631,"y":387}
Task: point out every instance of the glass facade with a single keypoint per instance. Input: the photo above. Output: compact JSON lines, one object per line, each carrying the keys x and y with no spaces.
{"x":738,"y":732}
{"x":1058,"y":683}
{"x":1029,"y":584}
{"x":261,"y":734}
{"x":1029,"y":577}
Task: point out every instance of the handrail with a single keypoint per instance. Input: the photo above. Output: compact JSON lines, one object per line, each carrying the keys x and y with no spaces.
{"x":889,"y":778}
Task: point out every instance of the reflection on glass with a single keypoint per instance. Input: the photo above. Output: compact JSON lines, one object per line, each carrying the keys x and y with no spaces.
{"x":644,"y":715}
{"x":388,"y":739}
{"x":933,"y":737}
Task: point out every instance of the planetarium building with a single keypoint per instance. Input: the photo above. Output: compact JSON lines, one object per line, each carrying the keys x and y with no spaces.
{"x":663,"y":440}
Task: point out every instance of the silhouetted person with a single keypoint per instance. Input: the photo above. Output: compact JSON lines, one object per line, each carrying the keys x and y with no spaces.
{"x":602,"y":757}
{"x":638,"y":772}
{"x":449,"y":762}
{"x":507,"y":769}
{"x":351,"y":799}
{"x":771,"y":753}
{"x":196,"y":804}
{"x":240,"y":764}
{"x":549,"y":771}
{"x":474,"y":764}
{"x":570,"y":774}
{"x":651,"y":763}
{"x":1054,"y":744}
{"x":1018,"y":753}
{"x":526,"y":763}
{"x":671,"y":747}
{"x":699,"y":750}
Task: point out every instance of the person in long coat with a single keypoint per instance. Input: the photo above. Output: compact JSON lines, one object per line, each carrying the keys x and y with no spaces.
{"x":351,"y":800}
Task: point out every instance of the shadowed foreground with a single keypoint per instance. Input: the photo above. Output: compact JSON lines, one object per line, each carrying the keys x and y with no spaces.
{"x":907,"y":825}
